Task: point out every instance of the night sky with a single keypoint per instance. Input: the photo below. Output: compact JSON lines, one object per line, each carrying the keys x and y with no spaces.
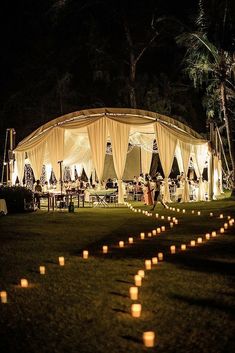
{"x":67,"y":55}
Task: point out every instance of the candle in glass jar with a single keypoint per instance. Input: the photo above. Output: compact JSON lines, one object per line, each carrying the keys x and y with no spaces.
{"x":199,"y":240}
{"x":24,"y":283}
{"x":207,"y":236}
{"x":199,"y":213}
{"x":169,"y":218}
{"x":148,"y":264}
{"x":149,"y":234}
{"x":136,"y":310}
{"x":171,"y":224}
{"x":105,"y":249}
{"x":158,"y":230}
{"x":225,"y":225}
{"x":162,"y":217}
{"x":221,"y":216}
{"x":148,"y":339}
{"x":141,"y":273}
{"x":160,"y":256}
{"x":178,"y":210}
{"x":176,"y":221}
{"x":42,"y":270}
{"x":172,"y":249}
{"x":211,"y":214}
{"x":85,"y":254}
{"x":163,"y":228}
{"x":138,"y":280}
{"x":156,"y":215}
{"x":142,"y":235}
{"x":121,"y":244}
{"x":61,"y":261}
{"x":221,"y":230}
{"x":213,"y":234}
{"x":130,"y":240}
{"x":183,"y":247}
{"x":183,"y":211}
{"x":154,"y":232}
{"x":3,"y":296}
{"x":192,"y":211}
{"x":133,"y":293}
{"x":192,"y":242}
{"x":154,"y":260}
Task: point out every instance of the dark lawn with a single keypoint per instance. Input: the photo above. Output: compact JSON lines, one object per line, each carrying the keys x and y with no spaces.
{"x":188,"y":300}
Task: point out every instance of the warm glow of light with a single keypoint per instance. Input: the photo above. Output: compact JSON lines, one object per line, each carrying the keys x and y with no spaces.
{"x":42,"y":270}
{"x":148,"y":264}
{"x":133,"y":293}
{"x":221,"y":230}
{"x":3,"y":296}
{"x":154,"y":260}
{"x":183,"y":211}
{"x":138,"y":280}
{"x":192,"y":211}
{"x":221,"y":216}
{"x":162,"y":217}
{"x":148,"y":339}
{"x":85,"y":254}
{"x":154,"y":232}
{"x":156,"y":215}
{"x":225,"y":225}
{"x":171,"y":224}
{"x":61,"y":261}
{"x":24,"y":283}
{"x":199,"y":240}
{"x":121,"y":244}
{"x":192,"y":242}
{"x":149,"y":234}
{"x":163,"y":228}
{"x":211,"y":214}
{"x":207,"y":236}
{"x":160,"y":256}
{"x":158,"y":230}
{"x":105,"y":249}
{"x":142,"y":236}
{"x":172,"y":249}
{"x":199,"y":213}
{"x":130,"y":240}
{"x":136,"y":310}
{"x":183,"y":247}
{"x":213,"y":234}
{"x":169,"y":218}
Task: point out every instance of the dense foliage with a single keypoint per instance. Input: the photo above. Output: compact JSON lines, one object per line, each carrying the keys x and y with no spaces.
{"x":18,"y":199}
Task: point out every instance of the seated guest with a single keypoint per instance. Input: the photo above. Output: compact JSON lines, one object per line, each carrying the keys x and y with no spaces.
{"x":109,"y":184}
{"x":37,"y":193}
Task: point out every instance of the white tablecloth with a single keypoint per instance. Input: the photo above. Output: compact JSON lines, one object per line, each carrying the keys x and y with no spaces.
{"x":3,"y":206}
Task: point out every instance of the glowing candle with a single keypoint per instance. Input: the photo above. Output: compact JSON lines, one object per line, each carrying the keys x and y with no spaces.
{"x":178,"y":210}
{"x":199,"y":213}
{"x":121,"y":244}
{"x":173,"y":209}
{"x":143,"y":212}
{"x":149,"y":234}
{"x":183,"y":247}
{"x":173,"y":219}
{"x":160,"y":256}
{"x":221,"y":216}
{"x":192,"y":243}
{"x":24,"y":283}
{"x":176,"y":221}
{"x":158,"y":230}
{"x":135,"y":210}
{"x":192,"y":211}
{"x":150,"y":214}
{"x":105,"y":249}
{"x":156,"y":215}
{"x":171,"y":224}
{"x":130,"y":240}
{"x":183,"y":211}
{"x":169,"y":218}
{"x":221,"y":230}
{"x":141,"y":273}
{"x":154,"y":260}
{"x":142,"y":235}
{"x":225,"y":225}
{"x":211,"y":214}
{"x":42,"y":270}
{"x":148,"y":264}
{"x":148,"y":338}
{"x":207,"y":236}
{"x":172,"y":249}
{"x":133,"y":293}
{"x":61,"y":261}
{"x":85,"y":254}
{"x":213,"y":234}
{"x":139,"y":210}
{"x":162,"y":217}
{"x":138,"y":280}
{"x":163,"y":228}
{"x":199,"y":240}
{"x":136,"y":310}
{"x":3,"y":296}
{"x":228,"y":217}
{"x":154,"y":232}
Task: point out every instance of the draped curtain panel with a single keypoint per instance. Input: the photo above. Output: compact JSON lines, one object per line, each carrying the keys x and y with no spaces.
{"x":36,"y":158}
{"x":88,"y":167}
{"x":146,"y":159}
{"x":119,"y":135}
{"x":20,"y":162}
{"x":55,"y":147}
{"x":97,"y":133}
{"x":216,"y":181}
{"x":200,"y":156}
{"x":185,"y":149}
{"x":178,"y":156}
{"x":166,"y":147}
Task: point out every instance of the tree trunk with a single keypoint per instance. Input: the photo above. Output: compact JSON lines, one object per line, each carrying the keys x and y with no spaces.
{"x":132,"y":92}
{"x":228,"y":126}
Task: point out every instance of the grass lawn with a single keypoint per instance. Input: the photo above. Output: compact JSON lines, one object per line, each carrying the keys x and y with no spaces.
{"x":188,"y":299}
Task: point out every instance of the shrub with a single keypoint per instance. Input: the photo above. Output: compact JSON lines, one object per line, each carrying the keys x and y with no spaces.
{"x":18,"y":199}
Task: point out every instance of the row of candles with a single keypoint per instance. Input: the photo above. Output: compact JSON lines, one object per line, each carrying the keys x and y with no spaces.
{"x":149,"y":336}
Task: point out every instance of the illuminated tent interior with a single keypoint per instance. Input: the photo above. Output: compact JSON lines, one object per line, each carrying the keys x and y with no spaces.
{"x":80,"y":139}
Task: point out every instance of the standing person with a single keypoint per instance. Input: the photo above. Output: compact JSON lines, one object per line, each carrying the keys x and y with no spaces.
{"x":37,"y":193}
{"x":157,"y":194}
{"x":147,"y":193}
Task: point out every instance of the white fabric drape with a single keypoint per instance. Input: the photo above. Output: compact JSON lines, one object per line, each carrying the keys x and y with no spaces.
{"x":88,"y":167}
{"x":20,"y":162}
{"x":216,"y":181}
{"x":185,"y":152}
{"x":97,"y":133}
{"x":146,"y":159}
{"x":166,"y":146}
{"x":55,"y":147}
{"x":200,"y":155}
{"x":119,"y":135}
{"x":36,"y":158}
{"x":178,"y":156}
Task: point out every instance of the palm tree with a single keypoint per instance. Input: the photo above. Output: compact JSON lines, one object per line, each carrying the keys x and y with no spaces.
{"x":213,"y":68}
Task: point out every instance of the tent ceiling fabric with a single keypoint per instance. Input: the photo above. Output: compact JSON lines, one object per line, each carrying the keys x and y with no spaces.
{"x":79,"y":138}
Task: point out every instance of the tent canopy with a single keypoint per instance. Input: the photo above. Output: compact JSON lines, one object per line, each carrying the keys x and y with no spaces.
{"x":81,"y":138}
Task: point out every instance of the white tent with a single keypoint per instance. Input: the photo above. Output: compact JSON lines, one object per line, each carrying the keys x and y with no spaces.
{"x":80,"y":138}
